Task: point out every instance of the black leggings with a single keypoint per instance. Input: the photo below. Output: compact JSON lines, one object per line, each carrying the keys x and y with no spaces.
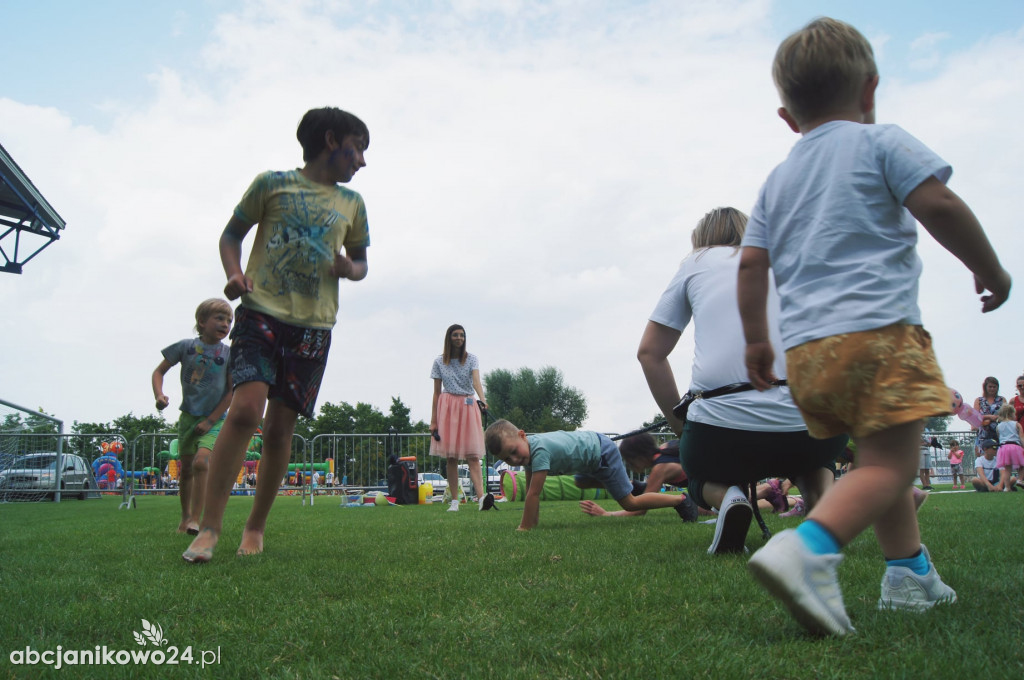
{"x":739,"y":457}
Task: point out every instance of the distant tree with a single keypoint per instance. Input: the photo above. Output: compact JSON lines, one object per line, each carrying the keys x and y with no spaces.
{"x":535,"y":401}
{"x":658,"y":418}
{"x":24,"y":432}
{"x":937,"y":423}
{"x":343,"y":418}
{"x":146,"y":450}
{"x":84,"y":445}
{"x":370,"y":453}
{"x":37,"y":424}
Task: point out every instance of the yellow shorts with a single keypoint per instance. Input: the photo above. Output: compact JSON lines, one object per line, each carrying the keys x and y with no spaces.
{"x":866,"y":382}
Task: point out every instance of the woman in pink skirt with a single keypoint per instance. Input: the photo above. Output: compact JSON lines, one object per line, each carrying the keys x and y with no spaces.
{"x":454,"y":416}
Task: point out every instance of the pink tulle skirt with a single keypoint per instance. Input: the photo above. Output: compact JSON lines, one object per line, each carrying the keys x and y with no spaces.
{"x":1010,"y":454}
{"x":458,"y":423}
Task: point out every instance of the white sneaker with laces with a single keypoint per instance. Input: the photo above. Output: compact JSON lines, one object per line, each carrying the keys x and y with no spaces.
{"x":903,"y":588}
{"x":806,"y":583}
{"x":454,"y":505}
{"x":734,"y":519}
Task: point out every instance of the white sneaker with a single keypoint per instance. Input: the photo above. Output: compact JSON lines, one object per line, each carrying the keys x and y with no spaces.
{"x":805,"y":583}
{"x":454,"y":505}
{"x":734,"y":519}
{"x":902,"y":588}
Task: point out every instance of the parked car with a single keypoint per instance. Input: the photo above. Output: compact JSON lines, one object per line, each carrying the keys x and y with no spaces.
{"x":37,"y":472}
{"x":436,"y":481}
{"x":493,"y":480}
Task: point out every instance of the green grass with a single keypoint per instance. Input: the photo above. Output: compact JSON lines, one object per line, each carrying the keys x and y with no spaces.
{"x":417,"y":592}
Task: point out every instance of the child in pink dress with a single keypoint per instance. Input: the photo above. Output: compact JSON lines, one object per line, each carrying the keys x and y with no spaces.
{"x":1011,"y":452}
{"x":956,"y":458}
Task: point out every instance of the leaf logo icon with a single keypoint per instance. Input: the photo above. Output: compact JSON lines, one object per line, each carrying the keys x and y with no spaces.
{"x":139,"y":640}
{"x":153,"y":633}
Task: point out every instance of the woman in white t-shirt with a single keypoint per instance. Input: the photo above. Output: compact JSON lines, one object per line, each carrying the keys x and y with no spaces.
{"x":455,"y":422}
{"x":731,"y":440}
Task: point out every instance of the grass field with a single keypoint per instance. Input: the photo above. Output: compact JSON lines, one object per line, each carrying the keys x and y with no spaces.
{"x":417,"y":592}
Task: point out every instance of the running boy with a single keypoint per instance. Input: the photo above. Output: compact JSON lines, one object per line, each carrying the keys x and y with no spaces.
{"x":205,"y":395}
{"x":289,"y":293}
{"x":835,"y":223}
{"x":591,"y":456}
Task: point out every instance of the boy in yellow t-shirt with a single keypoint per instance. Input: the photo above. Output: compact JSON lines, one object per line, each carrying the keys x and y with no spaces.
{"x":311,"y":233}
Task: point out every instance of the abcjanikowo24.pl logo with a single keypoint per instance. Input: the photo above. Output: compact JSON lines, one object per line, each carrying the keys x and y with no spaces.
{"x":155,"y":651}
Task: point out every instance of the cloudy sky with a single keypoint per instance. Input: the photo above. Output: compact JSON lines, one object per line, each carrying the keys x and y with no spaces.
{"x":534,"y":171}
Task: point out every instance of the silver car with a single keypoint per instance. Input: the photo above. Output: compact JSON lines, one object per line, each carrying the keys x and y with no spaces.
{"x":37,"y":472}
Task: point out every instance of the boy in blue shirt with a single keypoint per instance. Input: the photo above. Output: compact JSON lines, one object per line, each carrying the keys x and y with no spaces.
{"x":205,"y":396}
{"x":591,"y":456}
{"x":835,"y":223}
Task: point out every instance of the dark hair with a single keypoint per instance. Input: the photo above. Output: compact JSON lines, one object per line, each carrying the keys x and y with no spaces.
{"x":449,"y":351}
{"x":638,"y":451}
{"x":314,"y":126}
{"x":986,"y":382}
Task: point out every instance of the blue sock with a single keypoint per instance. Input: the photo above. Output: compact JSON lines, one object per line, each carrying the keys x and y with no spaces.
{"x":817,"y":538}
{"x":917,"y":563}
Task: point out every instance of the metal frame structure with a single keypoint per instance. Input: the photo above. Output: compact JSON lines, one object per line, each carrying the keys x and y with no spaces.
{"x":24,"y":212}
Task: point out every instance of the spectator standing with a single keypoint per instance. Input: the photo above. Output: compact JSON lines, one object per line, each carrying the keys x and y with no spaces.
{"x":956,"y":458}
{"x":988,"y":405}
{"x":455,"y":420}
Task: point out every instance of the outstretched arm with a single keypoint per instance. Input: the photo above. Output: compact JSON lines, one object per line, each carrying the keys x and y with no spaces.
{"x":752,"y":295}
{"x":950,"y":222}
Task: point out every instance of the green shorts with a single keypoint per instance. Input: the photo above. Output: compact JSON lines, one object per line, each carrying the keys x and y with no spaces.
{"x":190,"y":441}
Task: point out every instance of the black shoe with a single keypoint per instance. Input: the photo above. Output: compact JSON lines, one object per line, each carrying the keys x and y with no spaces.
{"x":687,"y":509}
{"x":487,"y":502}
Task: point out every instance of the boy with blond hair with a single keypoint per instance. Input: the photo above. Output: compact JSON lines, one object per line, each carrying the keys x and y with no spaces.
{"x":205,"y":396}
{"x":835,"y":223}
{"x":591,"y":456}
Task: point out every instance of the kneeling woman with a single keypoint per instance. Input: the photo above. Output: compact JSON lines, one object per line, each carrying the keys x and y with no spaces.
{"x":734,"y":439}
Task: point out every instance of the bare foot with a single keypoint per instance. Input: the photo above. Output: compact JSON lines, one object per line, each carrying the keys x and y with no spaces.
{"x":201,"y":549}
{"x":183,"y":527}
{"x":252,"y":543}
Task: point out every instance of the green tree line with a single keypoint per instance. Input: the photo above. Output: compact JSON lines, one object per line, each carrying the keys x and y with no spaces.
{"x":535,"y":400}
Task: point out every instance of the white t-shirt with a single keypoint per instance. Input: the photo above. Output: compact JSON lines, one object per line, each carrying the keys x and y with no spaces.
{"x":989,"y":468}
{"x":456,"y":378}
{"x":704,"y":289}
{"x":841,"y":244}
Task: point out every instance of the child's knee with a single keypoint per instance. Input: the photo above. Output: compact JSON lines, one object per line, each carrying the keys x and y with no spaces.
{"x":201,"y":461}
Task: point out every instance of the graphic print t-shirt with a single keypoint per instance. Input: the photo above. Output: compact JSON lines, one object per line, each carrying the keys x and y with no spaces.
{"x":302,"y":225}
{"x":204,"y":374}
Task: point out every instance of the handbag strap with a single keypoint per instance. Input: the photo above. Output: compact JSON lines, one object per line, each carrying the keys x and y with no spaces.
{"x":732,"y":389}
{"x":705,"y":394}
